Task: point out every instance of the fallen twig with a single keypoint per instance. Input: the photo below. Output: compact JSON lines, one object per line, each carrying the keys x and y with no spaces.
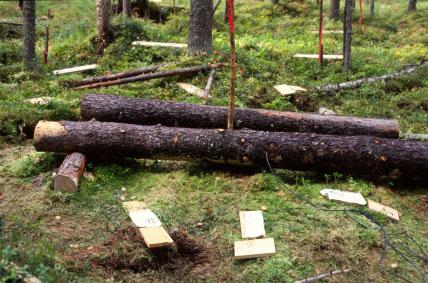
{"x":359,"y":82}
{"x":322,"y":276}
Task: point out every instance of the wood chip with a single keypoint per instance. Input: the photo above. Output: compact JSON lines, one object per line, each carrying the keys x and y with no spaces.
{"x":159,"y":44}
{"x":289,"y":89}
{"x":192,"y":89}
{"x":75,"y":69}
{"x":252,"y":224}
{"x":347,"y":197}
{"x":156,"y":237}
{"x":315,"y":56}
{"x":386,"y":210}
{"x":254,"y":248}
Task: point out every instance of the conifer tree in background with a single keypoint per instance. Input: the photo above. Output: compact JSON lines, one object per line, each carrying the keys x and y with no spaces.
{"x":347,"y":34}
{"x":412,"y":6}
{"x":29,"y":46}
{"x":200,"y":30}
{"x":126,"y":8}
{"x":103,"y":15}
{"x":334,"y":10}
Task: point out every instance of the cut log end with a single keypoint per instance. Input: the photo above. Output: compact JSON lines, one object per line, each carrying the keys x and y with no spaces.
{"x":48,"y":129}
{"x":65,"y":183}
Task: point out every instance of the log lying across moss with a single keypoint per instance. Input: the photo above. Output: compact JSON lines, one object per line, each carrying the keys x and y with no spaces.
{"x":110,"y":108}
{"x":70,"y":172}
{"x":362,"y":155}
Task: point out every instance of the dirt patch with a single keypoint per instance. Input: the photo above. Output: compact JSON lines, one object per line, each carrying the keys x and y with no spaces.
{"x":126,"y":251}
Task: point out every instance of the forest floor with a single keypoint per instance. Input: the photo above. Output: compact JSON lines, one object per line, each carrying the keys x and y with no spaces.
{"x":87,"y":236}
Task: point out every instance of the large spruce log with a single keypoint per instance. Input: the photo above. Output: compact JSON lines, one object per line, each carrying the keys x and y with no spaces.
{"x":150,"y":76}
{"x":109,"y":108}
{"x":361,"y":155}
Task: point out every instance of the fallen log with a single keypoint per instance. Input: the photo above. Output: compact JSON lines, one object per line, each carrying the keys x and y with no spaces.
{"x":111,"y":77}
{"x":150,"y":76}
{"x":109,"y":108}
{"x":70,"y":172}
{"x":359,"y":155}
{"x":359,"y":82}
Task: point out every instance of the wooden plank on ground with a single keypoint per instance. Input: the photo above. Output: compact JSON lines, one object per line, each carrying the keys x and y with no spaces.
{"x":252,"y":224}
{"x":140,"y":215}
{"x":348,"y":197}
{"x":159,"y":44}
{"x":255,"y":248}
{"x":315,"y":56}
{"x":156,"y":237}
{"x":75,"y":69}
{"x":289,"y":89}
{"x":192,"y":89}
{"x":386,"y":210}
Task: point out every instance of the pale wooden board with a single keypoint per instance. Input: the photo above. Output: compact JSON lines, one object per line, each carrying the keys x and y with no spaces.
{"x":156,"y":237}
{"x":315,"y":56}
{"x":348,"y":197}
{"x":386,"y":210}
{"x":328,"y":31}
{"x":159,"y":44}
{"x":192,"y":89}
{"x":75,"y":69}
{"x":288,"y":89}
{"x":252,"y":224}
{"x":254,"y":248}
{"x":140,"y":215}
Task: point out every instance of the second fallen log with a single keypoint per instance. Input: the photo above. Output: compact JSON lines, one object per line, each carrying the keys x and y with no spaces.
{"x":360,"y":155}
{"x":109,"y":108}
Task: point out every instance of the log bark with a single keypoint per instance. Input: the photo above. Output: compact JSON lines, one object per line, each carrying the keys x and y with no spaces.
{"x":356,"y":83}
{"x":70,"y":172}
{"x":156,"y":75}
{"x":111,"y":108}
{"x":359,"y":155}
{"x":111,"y":77}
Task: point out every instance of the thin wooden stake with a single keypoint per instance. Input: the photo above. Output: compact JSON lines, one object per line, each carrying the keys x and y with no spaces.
{"x":361,"y":13}
{"x":230,"y":117}
{"x":209,"y":85}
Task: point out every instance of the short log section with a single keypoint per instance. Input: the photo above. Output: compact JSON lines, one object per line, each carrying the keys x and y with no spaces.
{"x":69,"y":173}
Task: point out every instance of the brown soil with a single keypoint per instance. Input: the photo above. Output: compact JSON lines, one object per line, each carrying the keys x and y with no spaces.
{"x":126,"y":251}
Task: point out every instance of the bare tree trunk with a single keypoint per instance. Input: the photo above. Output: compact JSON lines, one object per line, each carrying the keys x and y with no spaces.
{"x":371,"y":8}
{"x":126,"y":8}
{"x":29,"y":55}
{"x":226,"y":11}
{"x":200,"y":30}
{"x":231,"y":114}
{"x":412,"y":6}
{"x":103,"y":22}
{"x":347,"y":34}
{"x":334,"y":10}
